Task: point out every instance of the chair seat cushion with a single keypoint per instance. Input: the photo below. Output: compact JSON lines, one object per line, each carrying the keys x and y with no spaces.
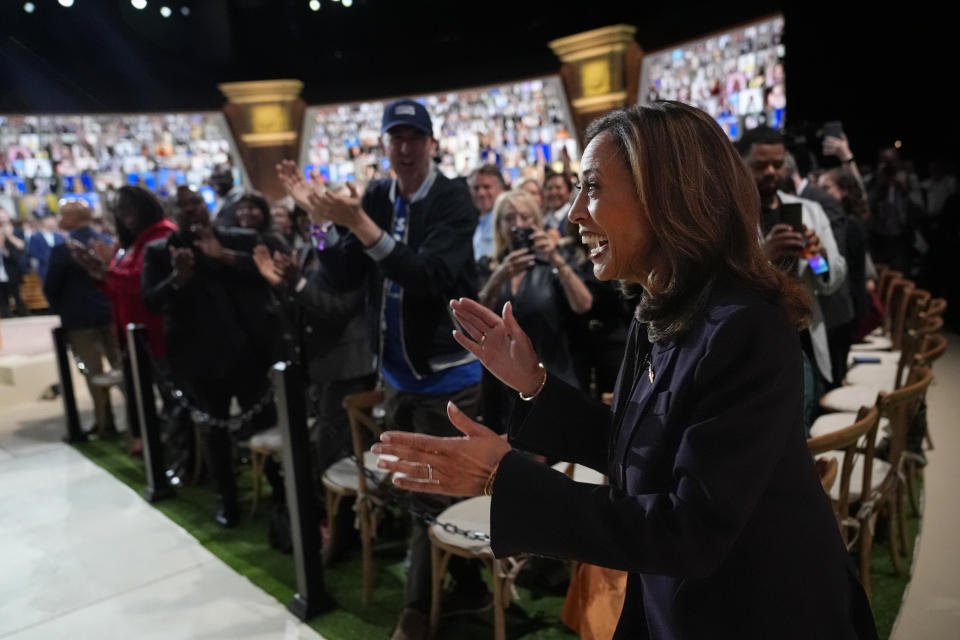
{"x":873,"y":343}
{"x":342,"y":474}
{"x":472,"y":514}
{"x":881,"y":376}
{"x":881,"y":468}
{"x":830,"y":422}
{"x":267,"y":440}
{"x":850,"y":398}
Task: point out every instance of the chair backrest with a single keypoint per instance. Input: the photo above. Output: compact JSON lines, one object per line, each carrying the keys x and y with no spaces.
{"x":363,"y":426}
{"x":918,"y":301}
{"x":886,"y":279}
{"x":934,"y":345}
{"x":901,"y":406}
{"x":859,"y":439}
{"x":897,"y":312}
{"x":913,"y":343}
{"x":935,"y":308}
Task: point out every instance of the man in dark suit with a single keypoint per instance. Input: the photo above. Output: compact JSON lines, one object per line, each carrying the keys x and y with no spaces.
{"x":41,"y":243}
{"x":228,"y":196}
{"x":221,"y":329}
{"x":85,"y":313}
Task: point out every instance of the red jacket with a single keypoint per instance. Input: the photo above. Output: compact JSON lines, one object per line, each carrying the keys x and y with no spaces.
{"x":122,"y":286}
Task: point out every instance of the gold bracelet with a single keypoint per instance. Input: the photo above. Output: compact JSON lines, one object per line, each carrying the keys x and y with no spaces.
{"x":543,"y":381}
{"x":488,"y":485}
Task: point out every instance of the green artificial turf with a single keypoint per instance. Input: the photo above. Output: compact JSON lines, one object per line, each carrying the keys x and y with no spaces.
{"x":536,"y":616}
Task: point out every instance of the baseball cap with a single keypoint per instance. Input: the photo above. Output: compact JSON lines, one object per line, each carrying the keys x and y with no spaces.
{"x":409,"y":112}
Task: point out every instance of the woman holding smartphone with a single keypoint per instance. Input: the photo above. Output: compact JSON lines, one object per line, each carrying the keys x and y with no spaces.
{"x":546,"y":290}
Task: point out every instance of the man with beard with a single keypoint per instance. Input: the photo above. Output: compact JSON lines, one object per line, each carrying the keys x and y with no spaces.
{"x":764,"y":152}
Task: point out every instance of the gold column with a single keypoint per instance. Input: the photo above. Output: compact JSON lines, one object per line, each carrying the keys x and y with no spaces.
{"x":266,"y":117}
{"x":601,"y":70}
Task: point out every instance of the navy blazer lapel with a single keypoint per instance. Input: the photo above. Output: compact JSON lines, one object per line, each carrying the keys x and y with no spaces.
{"x":638,"y":401}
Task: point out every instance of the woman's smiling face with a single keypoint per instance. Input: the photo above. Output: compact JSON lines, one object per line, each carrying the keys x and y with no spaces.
{"x":613,"y":222}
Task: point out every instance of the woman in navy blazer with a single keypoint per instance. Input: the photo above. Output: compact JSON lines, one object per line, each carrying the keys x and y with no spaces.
{"x":714,"y":507}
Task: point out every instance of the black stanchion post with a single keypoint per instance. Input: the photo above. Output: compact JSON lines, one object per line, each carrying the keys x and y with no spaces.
{"x":74,"y":432}
{"x":311,"y":597}
{"x":158,"y":487}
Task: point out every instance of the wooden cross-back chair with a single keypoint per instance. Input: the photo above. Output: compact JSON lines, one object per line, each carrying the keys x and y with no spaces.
{"x":857,"y":443}
{"x":359,"y":476}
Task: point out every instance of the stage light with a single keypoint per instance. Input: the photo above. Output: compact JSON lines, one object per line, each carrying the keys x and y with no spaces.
{"x":315,"y":5}
{"x":29,"y":7}
{"x":347,"y":3}
{"x":165,"y":12}
{"x":139,"y":4}
{"x":184,"y":11}
{"x":65,"y":3}
{"x":898,"y":144}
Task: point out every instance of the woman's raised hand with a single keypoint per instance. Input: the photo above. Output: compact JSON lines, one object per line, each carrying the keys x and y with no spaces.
{"x":499,"y":343}
{"x":458,"y":466}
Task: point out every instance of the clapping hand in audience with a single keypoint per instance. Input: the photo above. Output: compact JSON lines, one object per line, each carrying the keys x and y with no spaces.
{"x":206,"y":241}
{"x":88,"y":258}
{"x":183,"y":263}
{"x":267,"y":267}
{"x":295,"y":184}
{"x":339,"y":208}
{"x":287,"y":266}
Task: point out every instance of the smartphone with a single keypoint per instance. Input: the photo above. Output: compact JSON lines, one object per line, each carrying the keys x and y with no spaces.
{"x":791,"y":213}
{"x":833,"y":128}
{"x":521,"y":237}
{"x":817,"y":264}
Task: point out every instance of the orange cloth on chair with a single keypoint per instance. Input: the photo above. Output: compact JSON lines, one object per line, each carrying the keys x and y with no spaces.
{"x":594,"y":601}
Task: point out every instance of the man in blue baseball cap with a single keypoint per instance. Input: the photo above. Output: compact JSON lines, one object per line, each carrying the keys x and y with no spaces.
{"x":411,"y":238}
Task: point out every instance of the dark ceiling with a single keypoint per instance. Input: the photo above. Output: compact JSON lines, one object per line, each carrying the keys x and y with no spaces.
{"x":872,"y":68}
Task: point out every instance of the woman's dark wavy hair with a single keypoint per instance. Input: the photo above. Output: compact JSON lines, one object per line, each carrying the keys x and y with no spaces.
{"x":703,"y":211}
{"x":854,"y":202}
{"x":146,"y":207}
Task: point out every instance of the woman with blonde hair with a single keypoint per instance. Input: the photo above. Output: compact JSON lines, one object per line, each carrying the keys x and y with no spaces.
{"x":545,"y":289}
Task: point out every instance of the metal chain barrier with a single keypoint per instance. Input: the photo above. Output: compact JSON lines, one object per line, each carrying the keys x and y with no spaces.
{"x":201,"y":416}
{"x":393,"y":498}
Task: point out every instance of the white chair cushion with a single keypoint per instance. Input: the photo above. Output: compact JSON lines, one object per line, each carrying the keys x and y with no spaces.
{"x":343,"y":472}
{"x":873,"y":343}
{"x":830,"y":422}
{"x":849,"y":398}
{"x":881,"y":376}
{"x":472,"y":514}
{"x":880,"y":470}
{"x":270,"y":440}
{"x":587,"y":475}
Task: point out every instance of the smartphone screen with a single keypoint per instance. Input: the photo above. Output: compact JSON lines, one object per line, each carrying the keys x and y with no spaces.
{"x":791,"y":213}
{"x":834,"y":128}
{"x":817,"y":264}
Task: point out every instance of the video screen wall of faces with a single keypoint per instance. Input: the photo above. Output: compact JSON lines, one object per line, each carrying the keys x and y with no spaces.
{"x":736,"y":76}
{"x":45,"y":158}
{"x":524,"y":128}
